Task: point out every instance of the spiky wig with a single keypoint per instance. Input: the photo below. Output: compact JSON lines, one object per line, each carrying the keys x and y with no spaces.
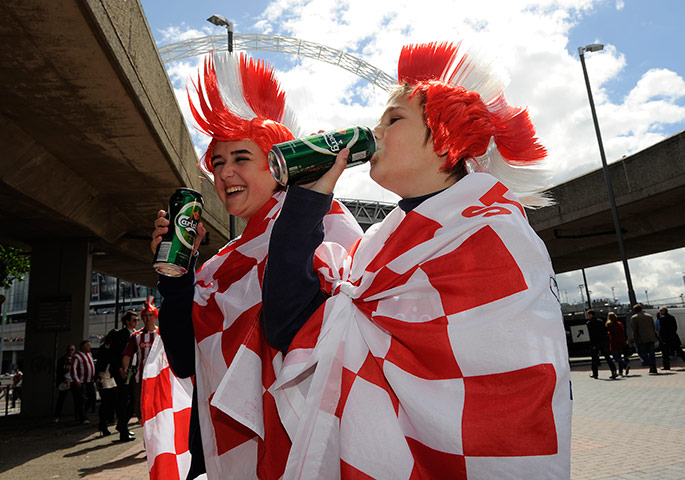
{"x":469,"y":118}
{"x":239,"y":98}
{"x":149,"y":307}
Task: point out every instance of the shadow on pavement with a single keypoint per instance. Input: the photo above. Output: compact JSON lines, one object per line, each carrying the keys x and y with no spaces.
{"x":87,"y":450}
{"x":24,"y":439}
{"x":120,"y":463}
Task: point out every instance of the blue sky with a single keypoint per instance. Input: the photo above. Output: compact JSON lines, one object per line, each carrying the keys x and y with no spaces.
{"x":637,"y":79}
{"x":648,"y":33}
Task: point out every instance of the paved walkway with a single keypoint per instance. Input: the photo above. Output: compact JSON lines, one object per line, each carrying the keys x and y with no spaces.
{"x":631,"y":428}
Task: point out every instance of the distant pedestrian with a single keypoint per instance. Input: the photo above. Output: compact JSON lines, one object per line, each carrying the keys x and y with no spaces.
{"x":124,"y":401}
{"x":83,"y":381}
{"x":669,"y":341}
{"x":644,"y":334}
{"x":106,"y":384}
{"x":17,"y":382}
{"x":63,"y":378}
{"x":138,"y":347}
{"x":599,"y":344}
{"x":618,"y":345}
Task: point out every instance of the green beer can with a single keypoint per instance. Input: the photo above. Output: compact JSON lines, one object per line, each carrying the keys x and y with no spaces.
{"x":304,"y":160}
{"x":173,"y":253}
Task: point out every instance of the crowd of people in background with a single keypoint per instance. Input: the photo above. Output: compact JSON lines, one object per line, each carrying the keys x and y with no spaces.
{"x":609,"y":339}
{"x":114,"y":373}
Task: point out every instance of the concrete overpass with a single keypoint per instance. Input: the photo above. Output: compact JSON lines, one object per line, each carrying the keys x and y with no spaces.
{"x":649,"y":187}
{"x":93,"y":143}
{"x":93,"y":139}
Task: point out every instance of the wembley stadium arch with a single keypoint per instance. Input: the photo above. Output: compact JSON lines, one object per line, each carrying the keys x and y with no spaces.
{"x":280,"y":44}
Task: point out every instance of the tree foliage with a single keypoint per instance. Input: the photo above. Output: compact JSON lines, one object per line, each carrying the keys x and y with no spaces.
{"x":14,"y":264}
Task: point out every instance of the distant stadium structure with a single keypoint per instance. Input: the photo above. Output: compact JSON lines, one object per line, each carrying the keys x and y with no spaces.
{"x":277,"y":43}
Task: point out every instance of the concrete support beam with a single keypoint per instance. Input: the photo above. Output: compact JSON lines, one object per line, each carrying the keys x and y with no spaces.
{"x":59,"y":293}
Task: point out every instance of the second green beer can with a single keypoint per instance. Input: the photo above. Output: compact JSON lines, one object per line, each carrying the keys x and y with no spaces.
{"x":173,"y":253}
{"x":304,"y":160}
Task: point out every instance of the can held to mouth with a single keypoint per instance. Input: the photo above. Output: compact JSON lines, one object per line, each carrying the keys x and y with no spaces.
{"x":173,"y":253}
{"x":304,"y":160}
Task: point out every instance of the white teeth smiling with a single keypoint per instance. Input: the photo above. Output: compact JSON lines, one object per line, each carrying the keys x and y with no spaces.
{"x":231,"y":190}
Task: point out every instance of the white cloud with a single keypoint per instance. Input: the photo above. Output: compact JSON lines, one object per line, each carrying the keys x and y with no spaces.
{"x":179,"y":33}
{"x":657,"y":83}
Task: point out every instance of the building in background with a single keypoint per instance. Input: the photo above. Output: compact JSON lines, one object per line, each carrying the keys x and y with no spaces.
{"x":106,"y":306}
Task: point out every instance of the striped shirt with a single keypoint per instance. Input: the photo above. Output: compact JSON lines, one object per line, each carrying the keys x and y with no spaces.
{"x":82,"y":368}
{"x":140,"y":344}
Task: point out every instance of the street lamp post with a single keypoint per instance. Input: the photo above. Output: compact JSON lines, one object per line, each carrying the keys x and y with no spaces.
{"x":594,"y":47}
{"x":587,"y":290}
{"x":582,"y":299}
{"x":123,"y":293}
{"x":221,"y":21}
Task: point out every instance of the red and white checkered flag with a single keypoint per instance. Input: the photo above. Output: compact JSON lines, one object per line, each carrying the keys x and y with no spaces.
{"x":441,"y":353}
{"x":244,"y":438}
{"x":165,"y":407}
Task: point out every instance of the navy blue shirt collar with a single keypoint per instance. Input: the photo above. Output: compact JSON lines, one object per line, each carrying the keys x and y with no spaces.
{"x":409,"y":204}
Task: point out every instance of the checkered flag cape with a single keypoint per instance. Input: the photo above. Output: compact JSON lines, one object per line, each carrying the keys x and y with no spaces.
{"x":165,"y":407}
{"x":234,"y":364}
{"x":441,"y":353}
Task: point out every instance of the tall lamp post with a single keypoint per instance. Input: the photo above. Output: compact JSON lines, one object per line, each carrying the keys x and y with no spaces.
{"x":221,"y":21}
{"x":594,"y":47}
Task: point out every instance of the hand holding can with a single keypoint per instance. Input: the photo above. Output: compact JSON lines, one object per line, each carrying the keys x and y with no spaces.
{"x":177,"y":244}
{"x":304,"y":160}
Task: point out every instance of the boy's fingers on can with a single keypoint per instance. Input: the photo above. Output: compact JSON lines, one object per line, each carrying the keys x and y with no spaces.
{"x":153,"y":244}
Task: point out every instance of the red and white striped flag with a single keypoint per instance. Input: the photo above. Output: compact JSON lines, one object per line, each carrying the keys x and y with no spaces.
{"x":441,"y":353}
{"x":165,"y":407}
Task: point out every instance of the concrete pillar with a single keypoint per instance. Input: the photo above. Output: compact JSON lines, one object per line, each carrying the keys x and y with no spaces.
{"x":58,"y":303}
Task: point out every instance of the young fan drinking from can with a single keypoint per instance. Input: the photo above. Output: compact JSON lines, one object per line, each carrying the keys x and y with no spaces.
{"x":434,"y":348}
{"x":209,"y":320}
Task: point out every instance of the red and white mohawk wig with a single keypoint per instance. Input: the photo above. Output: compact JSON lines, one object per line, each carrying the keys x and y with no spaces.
{"x":239,"y":98}
{"x":150,"y":307}
{"x":470,"y":119}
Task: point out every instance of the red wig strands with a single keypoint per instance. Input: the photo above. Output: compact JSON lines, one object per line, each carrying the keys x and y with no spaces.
{"x":465,"y":106}
{"x":240,"y":99}
{"x":470,"y":120}
{"x":149,"y":307}
{"x":428,"y":61}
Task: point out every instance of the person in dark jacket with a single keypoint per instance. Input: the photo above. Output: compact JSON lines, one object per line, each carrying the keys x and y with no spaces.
{"x":106,"y":384}
{"x":124,"y":398}
{"x":63,"y":378}
{"x":668,"y":337}
{"x":618,"y":345}
{"x":599,"y":344}
{"x":645,"y":335}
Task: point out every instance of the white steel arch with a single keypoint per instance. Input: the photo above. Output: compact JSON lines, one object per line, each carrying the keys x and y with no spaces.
{"x":276,"y":43}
